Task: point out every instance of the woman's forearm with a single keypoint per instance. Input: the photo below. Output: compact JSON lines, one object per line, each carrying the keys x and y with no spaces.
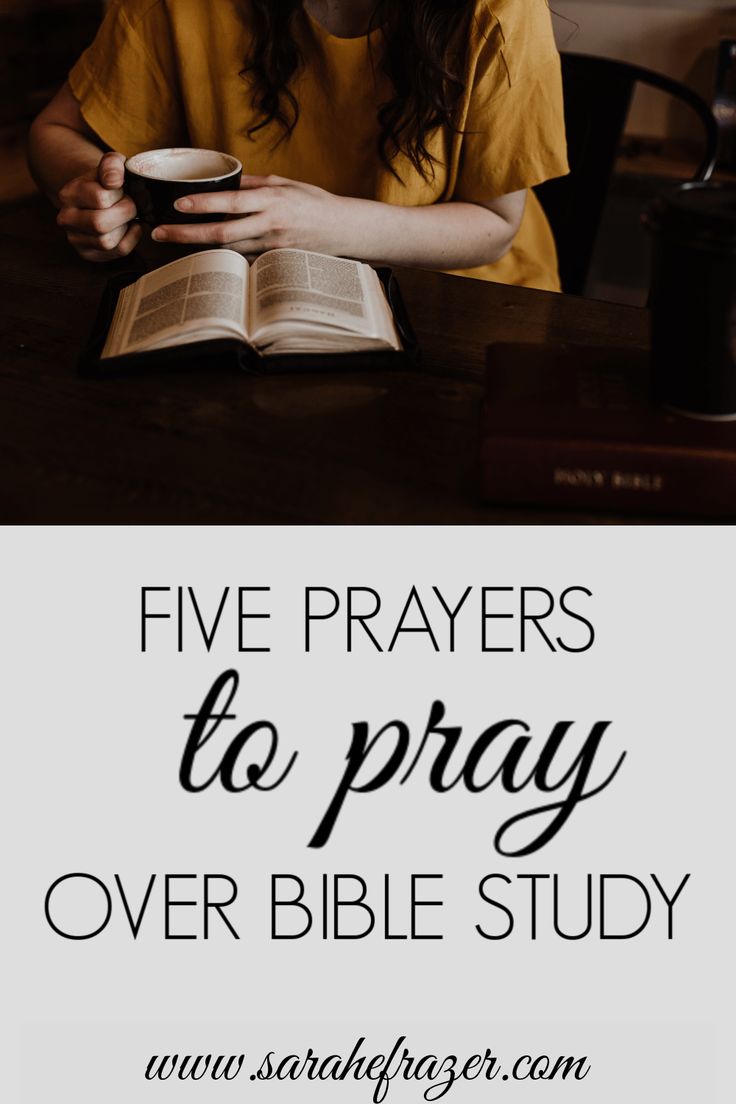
{"x":444,"y":235}
{"x":272,"y":212}
{"x":61,"y":145}
{"x":69,"y":164}
{"x":57,"y":154}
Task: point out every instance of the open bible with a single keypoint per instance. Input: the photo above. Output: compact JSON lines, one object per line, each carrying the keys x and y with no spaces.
{"x":287,"y":302}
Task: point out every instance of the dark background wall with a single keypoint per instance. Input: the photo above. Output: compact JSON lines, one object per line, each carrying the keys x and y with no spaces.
{"x":39,"y":41}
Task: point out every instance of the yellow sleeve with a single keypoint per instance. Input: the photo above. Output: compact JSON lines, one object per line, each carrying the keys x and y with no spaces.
{"x":514,"y":132}
{"x":126,"y":81}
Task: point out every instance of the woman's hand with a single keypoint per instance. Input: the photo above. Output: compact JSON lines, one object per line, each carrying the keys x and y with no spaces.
{"x":268,"y":212}
{"x":96,"y":215}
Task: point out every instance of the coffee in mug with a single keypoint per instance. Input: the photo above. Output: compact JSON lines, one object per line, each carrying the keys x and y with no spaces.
{"x":155,"y":179}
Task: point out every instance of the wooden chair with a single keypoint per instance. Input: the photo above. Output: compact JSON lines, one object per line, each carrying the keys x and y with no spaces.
{"x":598,"y":95}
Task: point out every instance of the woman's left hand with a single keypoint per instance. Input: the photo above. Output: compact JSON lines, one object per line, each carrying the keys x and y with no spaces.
{"x":269,"y":212}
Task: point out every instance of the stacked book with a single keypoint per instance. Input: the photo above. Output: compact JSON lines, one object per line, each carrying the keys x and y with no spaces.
{"x":576,"y":426}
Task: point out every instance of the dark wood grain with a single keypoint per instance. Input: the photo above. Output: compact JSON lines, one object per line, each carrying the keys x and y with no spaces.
{"x":383,"y":447}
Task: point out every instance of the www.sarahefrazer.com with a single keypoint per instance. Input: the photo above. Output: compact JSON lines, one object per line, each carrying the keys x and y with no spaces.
{"x":436,"y":1074}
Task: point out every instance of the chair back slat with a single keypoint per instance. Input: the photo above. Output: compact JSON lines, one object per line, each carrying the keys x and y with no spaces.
{"x":598,"y":95}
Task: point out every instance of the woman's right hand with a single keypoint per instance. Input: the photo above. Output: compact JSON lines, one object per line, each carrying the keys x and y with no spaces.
{"x":95,"y":214}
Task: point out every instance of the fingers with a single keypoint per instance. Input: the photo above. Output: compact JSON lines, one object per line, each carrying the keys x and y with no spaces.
{"x":215,"y":233}
{"x":99,"y":220}
{"x":111,"y":170}
{"x":96,"y":215}
{"x":97,"y":189}
{"x":247,"y":181}
{"x":128,"y":243}
{"x":227,"y":203}
{"x":91,"y":248}
{"x":83,"y":192}
{"x":103,"y":243}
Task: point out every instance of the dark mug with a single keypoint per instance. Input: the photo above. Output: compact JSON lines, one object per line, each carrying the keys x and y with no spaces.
{"x":155,"y":179}
{"x":693,"y":300}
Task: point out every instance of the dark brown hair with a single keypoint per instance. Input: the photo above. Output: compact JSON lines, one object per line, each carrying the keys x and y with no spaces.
{"x":423,"y":58}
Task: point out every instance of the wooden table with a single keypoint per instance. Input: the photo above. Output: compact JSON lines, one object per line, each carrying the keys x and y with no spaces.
{"x":383,"y":447}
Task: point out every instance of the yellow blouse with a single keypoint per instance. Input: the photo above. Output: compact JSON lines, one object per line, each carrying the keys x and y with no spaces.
{"x":166,"y":72}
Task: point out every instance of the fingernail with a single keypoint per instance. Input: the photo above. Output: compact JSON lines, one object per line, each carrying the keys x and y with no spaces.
{"x":159,"y":234}
{"x":184,"y":204}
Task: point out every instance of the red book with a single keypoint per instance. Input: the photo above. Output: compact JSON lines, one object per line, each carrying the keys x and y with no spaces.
{"x":575,"y":426}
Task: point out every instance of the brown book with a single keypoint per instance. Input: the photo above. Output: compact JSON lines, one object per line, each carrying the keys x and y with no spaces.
{"x":575,"y":426}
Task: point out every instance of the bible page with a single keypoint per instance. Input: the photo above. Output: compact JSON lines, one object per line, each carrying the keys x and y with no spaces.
{"x":289,"y":287}
{"x":197,"y":298}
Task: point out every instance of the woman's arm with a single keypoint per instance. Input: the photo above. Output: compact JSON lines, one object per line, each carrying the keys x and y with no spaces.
{"x":271,"y":212}
{"x":68,"y":163}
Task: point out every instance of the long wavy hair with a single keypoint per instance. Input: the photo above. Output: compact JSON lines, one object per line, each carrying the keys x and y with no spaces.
{"x":423,"y":59}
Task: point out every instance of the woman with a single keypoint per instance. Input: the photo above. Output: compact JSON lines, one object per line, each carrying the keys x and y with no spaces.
{"x":393,"y":131}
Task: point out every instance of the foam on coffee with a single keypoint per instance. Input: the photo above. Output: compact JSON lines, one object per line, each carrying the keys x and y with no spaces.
{"x":183,"y":164}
